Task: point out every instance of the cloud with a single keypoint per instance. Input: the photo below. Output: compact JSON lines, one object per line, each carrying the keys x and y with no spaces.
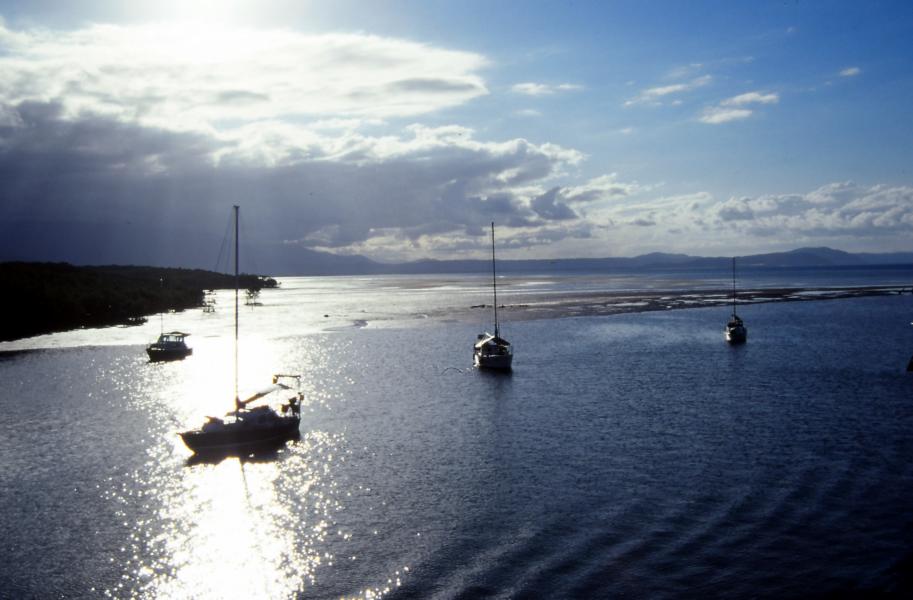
{"x":153,"y":125}
{"x":549,"y":207}
{"x":837,"y":209}
{"x":602,"y":188}
{"x":193,"y":77}
{"x":654,"y":95}
{"x":841,"y":214}
{"x":734,"y":108}
{"x":751,"y":98}
{"x":326,"y":189}
{"x":735,"y":210}
{"x":850,"y":72}
{"x":685,"y":71}
{"x":716,"y":115}
{"x":543,"y":89}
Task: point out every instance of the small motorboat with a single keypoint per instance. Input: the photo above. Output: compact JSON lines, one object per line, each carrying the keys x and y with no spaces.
{"x":170,"y":346}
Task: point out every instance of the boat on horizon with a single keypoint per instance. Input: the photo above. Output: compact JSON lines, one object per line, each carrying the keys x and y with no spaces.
{"x":248,"y":427}
{"x":491,"y":351}
{"x":736,"y":332}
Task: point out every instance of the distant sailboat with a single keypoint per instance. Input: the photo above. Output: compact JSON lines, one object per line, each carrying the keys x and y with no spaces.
{"x":248,"y":427}
{"x":736,"y":333}
{"x":491,"y":351}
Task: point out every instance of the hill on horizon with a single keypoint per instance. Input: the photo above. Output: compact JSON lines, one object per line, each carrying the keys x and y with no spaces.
{"x":299,"y":261}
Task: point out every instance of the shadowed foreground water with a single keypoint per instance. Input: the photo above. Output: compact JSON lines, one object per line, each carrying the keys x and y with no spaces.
{"x":626,"y":455}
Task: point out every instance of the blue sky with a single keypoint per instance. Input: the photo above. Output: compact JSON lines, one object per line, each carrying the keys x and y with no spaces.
{"x":398,"y":130}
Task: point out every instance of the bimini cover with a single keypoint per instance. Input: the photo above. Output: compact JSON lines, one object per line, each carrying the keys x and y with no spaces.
{"x":489,"y":339}
{"x":265,"y":392}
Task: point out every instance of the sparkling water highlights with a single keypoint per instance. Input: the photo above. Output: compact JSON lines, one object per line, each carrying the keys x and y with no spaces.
{"x":635,"y":454}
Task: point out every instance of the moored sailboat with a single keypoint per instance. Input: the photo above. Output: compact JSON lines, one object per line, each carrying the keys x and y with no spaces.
{"x":491,"y":351}
{"x":736,"y":332}
{"x":248,"y":427}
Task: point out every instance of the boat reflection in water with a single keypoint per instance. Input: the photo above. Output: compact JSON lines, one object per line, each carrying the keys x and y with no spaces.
{"x":242,"y":523}
{"x":257,"y":452}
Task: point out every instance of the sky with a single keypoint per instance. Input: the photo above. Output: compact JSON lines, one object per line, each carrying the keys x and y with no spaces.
{"x":400,"y":130}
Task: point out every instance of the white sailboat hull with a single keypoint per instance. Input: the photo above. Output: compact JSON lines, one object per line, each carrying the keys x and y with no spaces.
{"x":736,"y":335}
{"x":493,"y":351}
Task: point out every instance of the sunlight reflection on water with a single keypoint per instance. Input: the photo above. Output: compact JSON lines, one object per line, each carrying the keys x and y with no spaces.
{"x":248,"y":527}
{"x":612,"y":460}
{"x":235,"y":529}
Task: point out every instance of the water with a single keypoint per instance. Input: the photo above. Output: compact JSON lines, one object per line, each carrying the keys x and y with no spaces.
{"x":633,"y":454}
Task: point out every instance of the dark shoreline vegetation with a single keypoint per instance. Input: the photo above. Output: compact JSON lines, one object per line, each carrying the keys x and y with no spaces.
{"x":43,"y":298}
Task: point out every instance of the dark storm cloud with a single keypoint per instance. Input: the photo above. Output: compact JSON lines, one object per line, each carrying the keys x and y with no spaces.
{"x":548,"y":207}
{"x":99,"y":173}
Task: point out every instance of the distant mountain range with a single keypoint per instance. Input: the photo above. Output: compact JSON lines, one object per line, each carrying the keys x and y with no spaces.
{"x":309,"y":262}
{"x":183,"y":248}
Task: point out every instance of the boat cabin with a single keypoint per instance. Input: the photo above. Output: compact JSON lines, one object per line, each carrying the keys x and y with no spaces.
{"x":172,"y":338}
{"x":170,"y":346}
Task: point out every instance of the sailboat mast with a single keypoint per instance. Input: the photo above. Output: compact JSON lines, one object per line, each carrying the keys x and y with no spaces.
{"x":237,"y":281}
{"x":494,"y":278}
{"x":161,"y":312}
{"x":733,"y":285}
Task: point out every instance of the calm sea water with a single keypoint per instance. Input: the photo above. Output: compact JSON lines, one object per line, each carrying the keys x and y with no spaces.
{"x":633,"y":455}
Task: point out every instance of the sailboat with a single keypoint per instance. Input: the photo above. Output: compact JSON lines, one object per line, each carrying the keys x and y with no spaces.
{"x":736,"y":333}
{"x":169,"y":346}
{"x":249,"y":427}
{"x":491,"y":351}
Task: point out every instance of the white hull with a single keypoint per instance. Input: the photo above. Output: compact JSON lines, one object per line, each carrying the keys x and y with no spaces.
{"x":736,"y":335}
{"x":492,"y":351}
